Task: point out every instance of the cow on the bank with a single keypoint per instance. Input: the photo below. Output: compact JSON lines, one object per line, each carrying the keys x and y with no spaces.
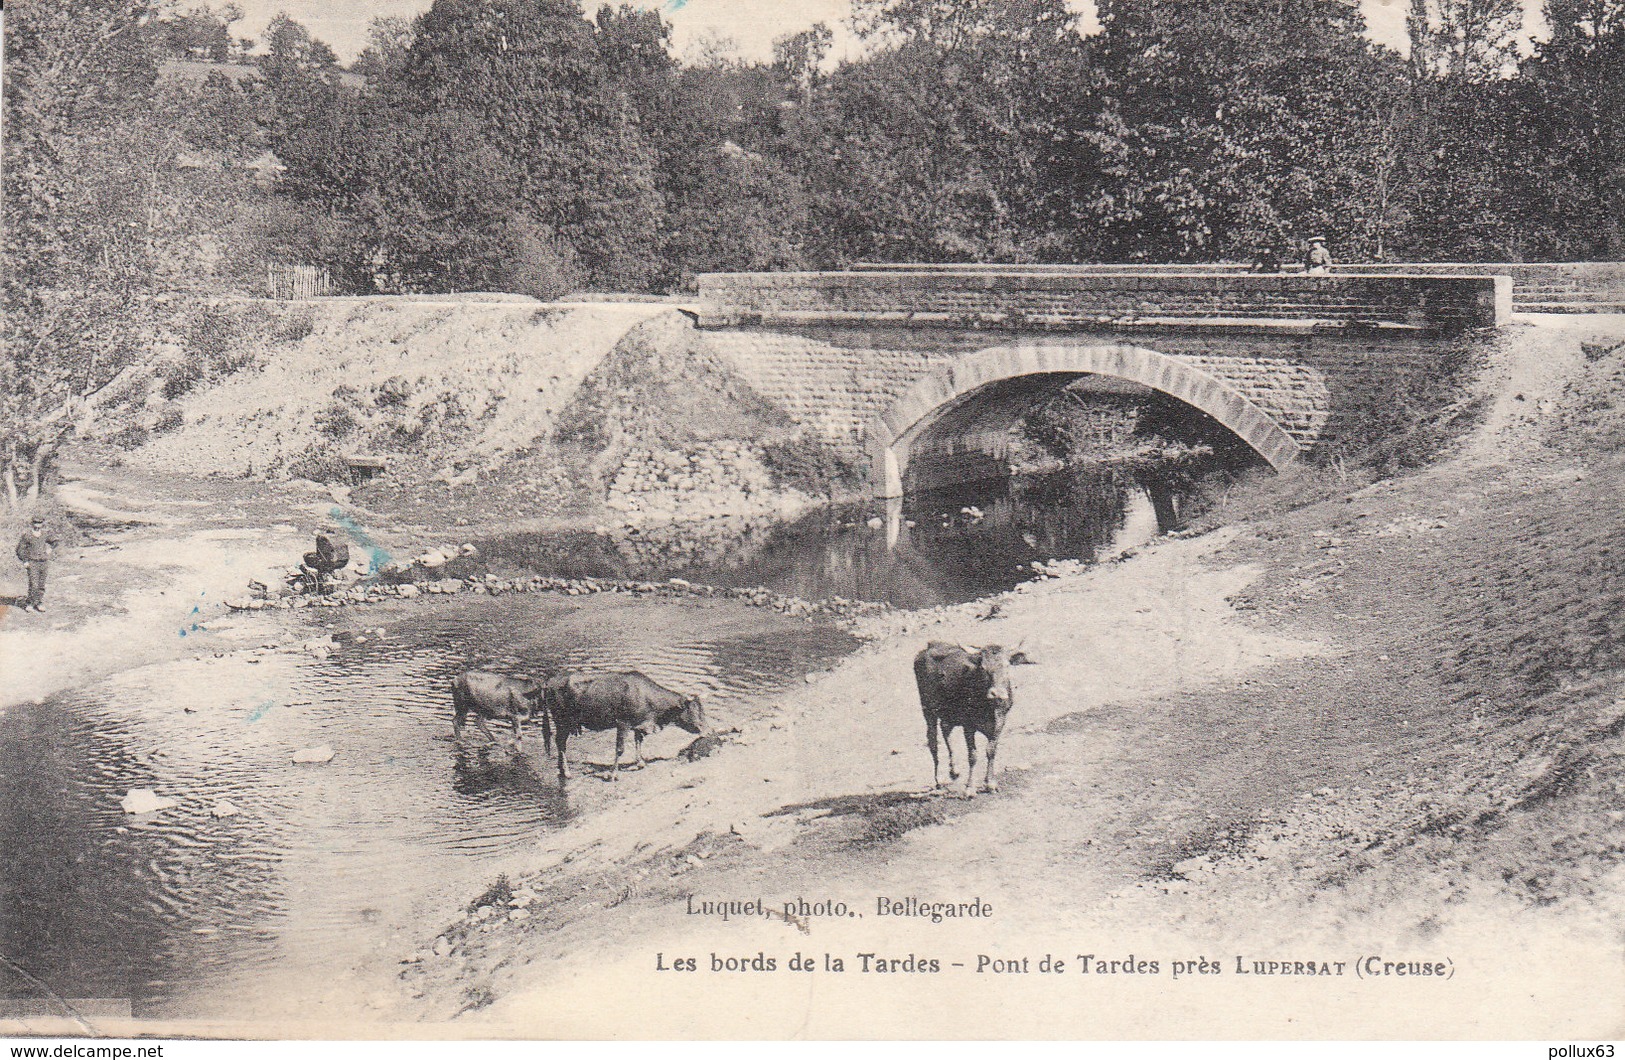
{"x":500,"y":698}
{"x":627,"y":703}
{"x":967,"y":688}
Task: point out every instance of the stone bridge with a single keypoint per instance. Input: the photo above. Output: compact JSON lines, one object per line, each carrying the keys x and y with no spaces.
{"x":894,"y":364}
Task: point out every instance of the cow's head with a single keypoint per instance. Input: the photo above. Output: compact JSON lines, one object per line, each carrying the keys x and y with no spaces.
{"x":546,"y":692}
{"x":992,"y":664}
{"x":534,"y":695}
{"x":688,"y":714}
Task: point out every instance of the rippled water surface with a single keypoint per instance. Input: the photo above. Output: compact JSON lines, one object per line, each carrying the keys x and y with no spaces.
{"x":184,"y":912}
{"x":166,"y":907}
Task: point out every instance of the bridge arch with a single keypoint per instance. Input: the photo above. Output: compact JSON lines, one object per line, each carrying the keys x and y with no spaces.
{"x":892,"y":434}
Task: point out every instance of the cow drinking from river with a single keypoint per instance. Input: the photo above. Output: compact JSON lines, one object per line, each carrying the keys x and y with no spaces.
{"x":967,"y":688}
{"x":498,"y":697}
{"x":627,"y":703}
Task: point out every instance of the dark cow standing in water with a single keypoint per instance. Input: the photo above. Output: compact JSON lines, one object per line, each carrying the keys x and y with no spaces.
{"x":627,"y":703}
{"x":499,"y":697}
{"x":963,"y":687}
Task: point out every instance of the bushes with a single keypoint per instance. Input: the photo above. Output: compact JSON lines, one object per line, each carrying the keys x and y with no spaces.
{"x":392,"y":393}
{"x":539,"y":265}
{"x":336,"y":422}
{"x":131,"y":436}
{"x":320,"y":463}
{"x":295,"y":327}
{"x":180,"y":379}
{"x":811,"y":466}
{"x":218,"y":342}
{"x":1414,"y":418}
{"x":170,"y":418}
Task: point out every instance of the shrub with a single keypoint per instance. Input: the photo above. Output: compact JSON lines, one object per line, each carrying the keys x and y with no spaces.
{"x":336,"y":421}
{"x":170,"y":418}
{"x":499,"y":894}
{"x":539,"y":264}
{"x":319,"y":464}
{"x":131,"y":436}
{"x":1412,"y":415}
{"x":810,"y":465}
{"x":296,"y":327}
{"x":180,"y":379}
{"x":392,"y":393}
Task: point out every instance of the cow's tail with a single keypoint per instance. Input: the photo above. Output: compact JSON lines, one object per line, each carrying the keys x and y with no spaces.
{"x":459,"y":707}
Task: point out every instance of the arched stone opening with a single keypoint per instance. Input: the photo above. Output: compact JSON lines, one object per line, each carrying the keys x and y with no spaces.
{"x":984,"y":389}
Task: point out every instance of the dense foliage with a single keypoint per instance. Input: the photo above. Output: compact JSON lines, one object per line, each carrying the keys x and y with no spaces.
{"x":519,"y":145}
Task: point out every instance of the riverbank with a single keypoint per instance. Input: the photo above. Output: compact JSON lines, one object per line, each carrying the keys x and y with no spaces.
{"x":1387,"y":723}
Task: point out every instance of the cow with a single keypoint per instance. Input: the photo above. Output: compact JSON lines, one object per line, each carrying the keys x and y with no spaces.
{"x":496,"y":696}
{"x":968,"y":688}
{"x":626,"y":702}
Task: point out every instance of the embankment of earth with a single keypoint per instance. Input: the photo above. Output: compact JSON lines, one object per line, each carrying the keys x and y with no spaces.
{"x":426,"y":406}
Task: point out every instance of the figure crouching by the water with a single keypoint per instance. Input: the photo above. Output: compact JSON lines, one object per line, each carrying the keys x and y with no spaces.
{"x":332,"y":554}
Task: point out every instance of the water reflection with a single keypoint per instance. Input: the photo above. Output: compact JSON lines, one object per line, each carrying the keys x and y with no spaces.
{"x":932,"y":547}
{"x":183,"y":912}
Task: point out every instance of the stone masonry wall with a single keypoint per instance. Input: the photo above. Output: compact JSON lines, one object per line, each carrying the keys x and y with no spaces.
{"x":1021,"y":300}
{"x":1318,"y":386}
{"x":1537,"y":286}
{"x":708,"y":480}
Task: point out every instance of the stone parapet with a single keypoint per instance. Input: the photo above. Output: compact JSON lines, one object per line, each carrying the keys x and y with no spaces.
{"x":1537,"y":286}
{"x":1063,"y":301}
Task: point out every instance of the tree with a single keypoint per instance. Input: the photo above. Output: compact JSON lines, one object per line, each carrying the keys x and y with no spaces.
{"x":799,"y":57}
{"x":529,"y":79}
{"x":201,"y":33}
{"x":79,"y":76}
{"x":940,"y":145}
{"x":1584,"y":22}
{"x":1474,"y":40}
{"x":292,"y":52}
{"x":1234,"y":126}
{"x":389,"y":38}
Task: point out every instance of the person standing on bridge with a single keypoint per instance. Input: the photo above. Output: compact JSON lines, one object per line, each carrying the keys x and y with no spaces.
{"x":1317,"y":259}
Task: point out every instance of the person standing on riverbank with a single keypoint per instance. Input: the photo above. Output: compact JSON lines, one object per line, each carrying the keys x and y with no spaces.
{"x":34,"y":550}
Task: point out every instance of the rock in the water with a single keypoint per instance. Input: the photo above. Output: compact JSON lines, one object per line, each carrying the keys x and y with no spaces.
{"x":145,"y":800}
{"x":314,"y":755}
{"x":225,"y":808}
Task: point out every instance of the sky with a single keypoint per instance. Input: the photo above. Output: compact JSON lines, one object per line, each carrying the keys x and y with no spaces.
{"x":751,"y":24}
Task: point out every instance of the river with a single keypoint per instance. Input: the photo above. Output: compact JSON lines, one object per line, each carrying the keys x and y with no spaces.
{"x":177,"y":909}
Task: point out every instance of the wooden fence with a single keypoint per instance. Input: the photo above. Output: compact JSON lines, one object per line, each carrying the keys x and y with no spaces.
{"x":295,"y":282}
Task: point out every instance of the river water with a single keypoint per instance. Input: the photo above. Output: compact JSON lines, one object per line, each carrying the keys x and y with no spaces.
{"x":936,"y":547}
{"x":177,"y":909}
